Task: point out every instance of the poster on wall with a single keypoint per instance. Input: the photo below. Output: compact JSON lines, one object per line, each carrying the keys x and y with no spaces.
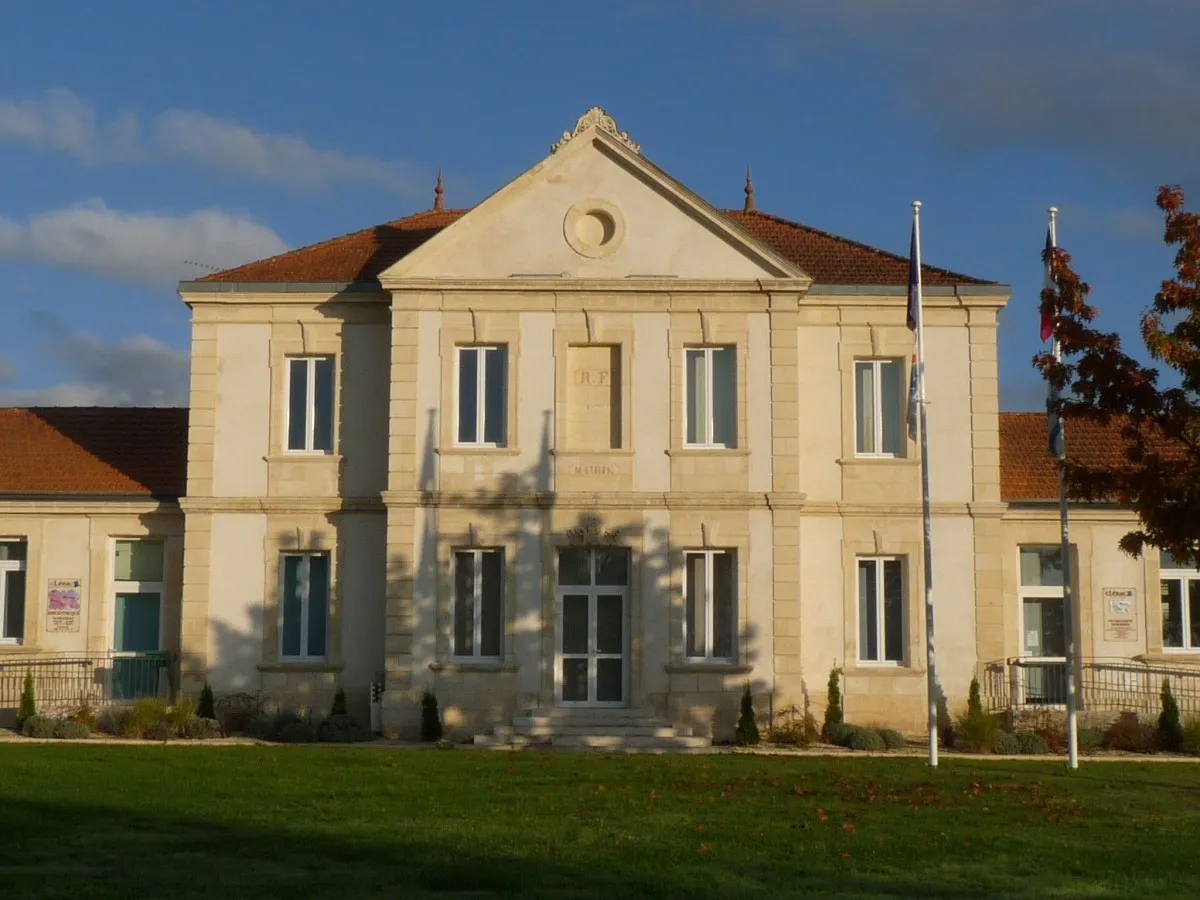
{"x":1120,"y":614}
{"x":63,"y":596}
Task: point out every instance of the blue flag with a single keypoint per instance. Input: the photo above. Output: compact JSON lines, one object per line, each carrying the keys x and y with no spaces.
{"x":914,"y":282}
{"x":913,"y":399}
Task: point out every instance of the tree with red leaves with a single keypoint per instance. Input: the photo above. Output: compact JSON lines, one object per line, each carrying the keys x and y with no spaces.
{"x":1160,"y":426}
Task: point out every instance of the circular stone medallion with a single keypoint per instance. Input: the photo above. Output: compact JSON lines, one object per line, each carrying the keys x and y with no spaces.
{"x":594,"y":228}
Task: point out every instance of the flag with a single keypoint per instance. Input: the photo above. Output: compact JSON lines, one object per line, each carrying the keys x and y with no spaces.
{"x":914,"y":283}
{"x":1047,"y":285}
{"x":913,"y":399}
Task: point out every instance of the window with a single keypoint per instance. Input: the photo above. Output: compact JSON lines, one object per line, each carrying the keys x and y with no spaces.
{"x":1180,"y":585}
{"x":478,"y":600}
{"x":710,"y":604}
{"x":877,"y":404}
{"x":1043,"y":624}
{"x":138,"y":590}
{"x":711,"y":397}
{"x":12,"y":592}
{"x":304,"y":610}
{"x":881,"y":610}
{"x":310,"y":404}
{"x":482,"y":396}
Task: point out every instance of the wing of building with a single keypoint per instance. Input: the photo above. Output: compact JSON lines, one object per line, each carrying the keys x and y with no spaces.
{"x":584,"y":460}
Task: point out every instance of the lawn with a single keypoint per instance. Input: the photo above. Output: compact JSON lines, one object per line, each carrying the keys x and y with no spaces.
{"x":86,"y":821}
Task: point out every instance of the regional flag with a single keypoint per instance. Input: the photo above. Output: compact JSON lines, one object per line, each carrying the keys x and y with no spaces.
{"x":1047,"y":285}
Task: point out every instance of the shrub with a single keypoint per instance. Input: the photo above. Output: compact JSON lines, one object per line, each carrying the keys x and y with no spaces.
{"x":86,"y":716}
{"x":343,"y":729}
{"x":199,"y":728}
{"x":181,"y":713}
{"x":38,"y":726}
{"x":833,"y":704}
{"x":747,"y":728}
{"x":297,"y":733}
{"x":977,"y":729}
{"x":839,"y":733}
{"x":205,"y":708}
{"x":339,"y":704}
{"x":286,"y":717}
{"x":261,"y":729}
{"x":794,"y":728}
{"x":236,"y":721}
{"x":1128,"y":734}
{"x":143,"y":716}
{"x":1090,"y":739}
{"x":1031,"y":743}
{"x":159,"y":730}
{"x":1191,"y":736}
{"x":866,"y":739}
{"x":892,"y":739}
{"x":70,"y":730}
{"x":1170,"y":728}
{"x":431,"y":723}
{"x":1006,"y":744}
{"x":28,"y":707}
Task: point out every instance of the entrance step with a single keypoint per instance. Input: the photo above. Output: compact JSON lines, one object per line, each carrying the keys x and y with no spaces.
{"x":600,"y":729}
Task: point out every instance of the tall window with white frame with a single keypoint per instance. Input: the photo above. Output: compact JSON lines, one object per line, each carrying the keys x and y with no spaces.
{"x":138,"y":582}
{"x":1180,"y":587}
{"x":1043,"y":621}
{"x":710,"y":600}
{"x":482,"y":390}
{"x":881,"y":619}
{"x":310,"y":404}
{"x":711,"y":388}
{"x":878,"y":401}
{"x":12,"y":591}
{"x":478,"y":603}
{"x":304,"y":607}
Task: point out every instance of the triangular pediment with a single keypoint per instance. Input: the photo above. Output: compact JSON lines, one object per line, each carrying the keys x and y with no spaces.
{"x":594,"y":209}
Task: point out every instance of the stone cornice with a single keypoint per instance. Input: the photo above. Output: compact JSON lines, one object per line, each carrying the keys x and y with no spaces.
{"x":1091,"y":514}
{"x":117,"y":505}
{"x":281,"y":504}
{"x":564,"y":286}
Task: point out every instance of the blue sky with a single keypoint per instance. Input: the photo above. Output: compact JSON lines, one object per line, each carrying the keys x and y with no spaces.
{"x":139,"y":139}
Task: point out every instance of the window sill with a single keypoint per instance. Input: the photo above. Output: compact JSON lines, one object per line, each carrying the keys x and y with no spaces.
{"x":616,"y":451}
{"x":472,"y":666}
{"x":478,"y":451}
{"x":708,"y":668}
{"x":304,"y":456}
{"x":16,"y":648}
{"x":707,"y":451}
{"x":866,"y":667}
{"x":879,"y":461}
{"x":300,"y":667}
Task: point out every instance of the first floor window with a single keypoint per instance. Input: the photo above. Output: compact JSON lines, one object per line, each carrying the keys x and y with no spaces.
{"x":478,"y":600}
{"x":711,"y":386}
{"x":1180,"y":585}
{"x":881,"y":610}
{"x":310,"y":404}
{"x":482,"y":396}
{"x":711,"y":604}
{"x":304,"y":611}
{"x":12,"y":592}
{"x":877,"y":404}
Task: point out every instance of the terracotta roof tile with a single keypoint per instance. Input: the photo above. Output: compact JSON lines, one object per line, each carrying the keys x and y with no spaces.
{"x":89,"y":450}
{"x":361,"y":256}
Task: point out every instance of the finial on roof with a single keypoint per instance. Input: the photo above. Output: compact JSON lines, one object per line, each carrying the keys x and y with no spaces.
{"x":749,"y":207}
{"x":598,"y":118}
{"x":438,"y":190}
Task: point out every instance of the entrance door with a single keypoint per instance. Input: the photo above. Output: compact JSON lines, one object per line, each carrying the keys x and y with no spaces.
{"x":1045,"y":651}
{"x":593,"y":603}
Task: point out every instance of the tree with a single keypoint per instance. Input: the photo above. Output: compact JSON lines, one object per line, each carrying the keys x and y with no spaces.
{"x":747,"y":727}
{"x":431,"y":722}
{"x":28,"y":706}
{"x":206,"y":709}
{"x":1170,"y":728}
{"x":1159,"y":475}
{"x":339,"y":704}
{"x":833,"y":702}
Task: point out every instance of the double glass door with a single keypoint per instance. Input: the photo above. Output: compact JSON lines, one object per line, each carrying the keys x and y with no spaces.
{"x":593,"y":632}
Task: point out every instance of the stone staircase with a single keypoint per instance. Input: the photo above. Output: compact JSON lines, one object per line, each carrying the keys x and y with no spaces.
{"x":594,"y":729}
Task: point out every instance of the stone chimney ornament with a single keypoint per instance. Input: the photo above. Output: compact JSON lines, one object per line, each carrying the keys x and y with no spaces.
{"x":601,"y":120}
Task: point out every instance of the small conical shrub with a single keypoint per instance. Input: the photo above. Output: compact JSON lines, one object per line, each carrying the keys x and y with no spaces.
{"x":747,"y":728}
{"x":28,"y":707}
{"x":978,"y":730}
{"x":339,"y":704}
{"x":205,"y":708}
{"x":1170,"y":728}
{"x":431,"y":723}
{"x":833,"y":702}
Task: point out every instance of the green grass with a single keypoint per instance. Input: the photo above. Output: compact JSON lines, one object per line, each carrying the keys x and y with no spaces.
{"x":255,"y":822}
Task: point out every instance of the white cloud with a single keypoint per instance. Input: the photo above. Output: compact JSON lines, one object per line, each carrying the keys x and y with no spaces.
{"x":141,"y":247}
{"x":61,"y":121}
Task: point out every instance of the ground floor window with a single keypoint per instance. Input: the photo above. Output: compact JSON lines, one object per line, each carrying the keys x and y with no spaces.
{"x":304,"y":607}
{"x":478,"y":601}
{"x":1043,"y":624}
{"x":1180,"y":588}
{"x":137,"y":622}
{"x":881,"y":609}
{"x":710,"y":600}
{"x":12,"y":591}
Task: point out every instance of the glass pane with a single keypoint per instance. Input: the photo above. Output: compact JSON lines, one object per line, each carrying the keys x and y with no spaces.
{"x":1172,"y":613}
{"x":297,"y":403}
{"x":468,"y":388}
{"x":724,"y":397}
{"x":724,"y":606}
{"x":494,"y":391}
{"x":14,"y":606}
{"x":868,"y":637}
{"x":864,"y":407}
{"x":1044,"y":632}
{"x":694,"y":589}
{"x":889,"y":400}
{"x":609,"y":680}
{"x":464,"y":604}
{"x":492,"y":603}
{"x":292,"y":608}
{"x":139,"y":561}
{"x":136,"y":623}
{"x":697,"y":397}
{"x":1167,"y":561}
{"x":574,"y":680}
{"x":1194,"y":612}
{"x":323,"y":405}
{"x":893,"y":610}
{"x":1041,"y":566}
{"x":318,"y":604}
{"x":610,"y":623}
{"x":612,"y":566}
{"x":573,"y":566}
{"x":12,"y":551}
{"x":575,"y":623}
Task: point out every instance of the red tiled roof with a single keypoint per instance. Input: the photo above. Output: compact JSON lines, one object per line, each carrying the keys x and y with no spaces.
{"x":89,"y":450}
{"x":361,"y":256}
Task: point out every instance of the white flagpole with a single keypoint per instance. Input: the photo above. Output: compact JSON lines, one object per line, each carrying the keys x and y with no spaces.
{"x":930,"y":673}
{"x":1068,"y":587}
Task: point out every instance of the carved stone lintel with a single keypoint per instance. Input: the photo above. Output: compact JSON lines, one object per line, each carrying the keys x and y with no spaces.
{"x":600,"y":119}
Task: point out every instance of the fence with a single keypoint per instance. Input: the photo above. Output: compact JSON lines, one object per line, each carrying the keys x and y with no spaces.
{"x":62,"y":683}
{"x":1103,"y":685}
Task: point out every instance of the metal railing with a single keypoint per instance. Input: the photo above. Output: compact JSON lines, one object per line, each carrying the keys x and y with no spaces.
{"x":65,"y":682}
{"x":1103,"y":685}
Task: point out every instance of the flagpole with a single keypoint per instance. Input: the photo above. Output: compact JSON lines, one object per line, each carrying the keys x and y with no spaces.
{"x":930,"y":673}
{"x":1068,"y":587}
